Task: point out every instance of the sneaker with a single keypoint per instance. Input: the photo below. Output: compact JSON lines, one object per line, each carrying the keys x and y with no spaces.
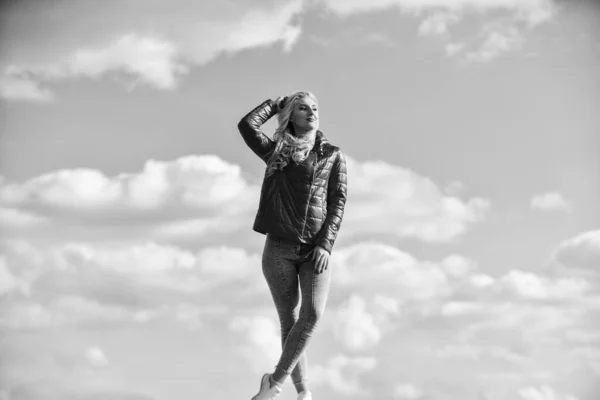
{"x":267,"y":392}
{"x":305,"y":396}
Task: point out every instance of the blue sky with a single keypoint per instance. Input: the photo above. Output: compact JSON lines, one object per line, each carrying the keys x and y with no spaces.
{"x":466,"y":267}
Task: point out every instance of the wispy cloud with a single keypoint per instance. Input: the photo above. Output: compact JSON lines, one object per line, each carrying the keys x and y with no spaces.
{"x":96,"y":357}
{"x":505,"y":34}
{"x":532,"y":11}
{"x":157,"y":57}
{"x":21,"y":85}
{"x":497,"y":40}
{"x":543,"y":392}
{"x":406,"y":391}
{"x":550,"y":201}
{"x":437,"y":23}
{"x":145,"y":60}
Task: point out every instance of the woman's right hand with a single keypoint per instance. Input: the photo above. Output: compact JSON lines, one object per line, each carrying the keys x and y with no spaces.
{"x":279,"y":102}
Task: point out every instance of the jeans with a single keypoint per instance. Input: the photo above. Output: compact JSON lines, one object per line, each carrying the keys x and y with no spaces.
{"x":287,"y":269}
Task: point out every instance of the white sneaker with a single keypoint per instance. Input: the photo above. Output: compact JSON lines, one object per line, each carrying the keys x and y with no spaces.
{"x":267,"y":392}
{"x":305,"y":396}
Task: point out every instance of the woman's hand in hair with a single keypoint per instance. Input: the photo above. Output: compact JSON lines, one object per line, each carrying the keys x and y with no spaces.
{"x":321,"y":259}
{"x":280,"y":103}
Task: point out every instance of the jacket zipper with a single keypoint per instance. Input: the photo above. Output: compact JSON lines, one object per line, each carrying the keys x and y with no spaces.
{"x":314,"y":163}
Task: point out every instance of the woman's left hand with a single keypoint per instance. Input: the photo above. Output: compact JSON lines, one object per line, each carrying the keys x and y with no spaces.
{"x":321,"y":259}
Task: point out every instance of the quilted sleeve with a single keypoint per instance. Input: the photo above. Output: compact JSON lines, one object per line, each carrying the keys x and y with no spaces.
{"x":336,"y":201}
{"x":249,"y":127}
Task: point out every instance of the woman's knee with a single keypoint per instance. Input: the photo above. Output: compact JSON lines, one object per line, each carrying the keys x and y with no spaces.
{"x":310,"y":315}
{"x":287,"y":323}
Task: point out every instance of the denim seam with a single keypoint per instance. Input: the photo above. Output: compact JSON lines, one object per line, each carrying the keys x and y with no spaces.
{"x":280,"y":269}
{"x":311,"y":316}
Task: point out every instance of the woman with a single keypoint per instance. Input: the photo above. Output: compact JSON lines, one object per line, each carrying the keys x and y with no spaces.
{"x":300,"y":211}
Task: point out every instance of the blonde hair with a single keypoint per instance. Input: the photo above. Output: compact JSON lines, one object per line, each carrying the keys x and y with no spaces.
{"x":287,"y":145}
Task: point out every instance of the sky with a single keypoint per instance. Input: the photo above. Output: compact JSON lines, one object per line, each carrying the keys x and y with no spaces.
{"x":466,"y":267}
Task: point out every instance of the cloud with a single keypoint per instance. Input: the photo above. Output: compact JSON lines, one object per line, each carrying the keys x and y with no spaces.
{"x":20,"y":86}
{"x":543,"y":392}
{"x":532,"y":11}
{"x":532,"y":286}
{"x":388,"y":199}
{"x":182,"y":181}
{"x":504,"y":321}
{"x":550,"y":201}
{"x":342,"y":373}
{"x":479,"y":353}
{"x":496,"y":42}
{"x":24,"y":315}
{"x":148,"y":60}
{"x":155,"y":50}
{"x":96,"y":357}
{"x":406,"y":391}
{"x":454,"y":48}
{"x":10,"y":282}
{"x":580,"y":253}
{"x":261,"y":340}
{"x":437,"y":23}
{"x":181,"y":198}
{"x":77,"y":284}
{"x":440,"y":312}
{"x":16,"y":219}
{"x":512,"y":18}
{"x":354,"y":326}
{"x":192,"y":196}
{"x":387,"y":270}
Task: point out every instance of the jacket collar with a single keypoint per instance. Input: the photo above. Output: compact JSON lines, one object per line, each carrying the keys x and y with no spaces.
{"x":320,"y":142}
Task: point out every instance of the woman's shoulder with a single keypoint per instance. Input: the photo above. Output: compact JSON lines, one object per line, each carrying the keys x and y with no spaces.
{"x":327,"y":147}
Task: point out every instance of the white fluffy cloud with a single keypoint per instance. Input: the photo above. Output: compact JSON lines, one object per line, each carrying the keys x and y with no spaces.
{"x":550,"y":201}
{"x":580,"y":253}
{"x":356,"y":327}
{"x":261,"y":344}
{"x":191,"y":181}
{"x":505,"y":322}
{"x":386,"y":270}
{"x":185,"y":197}
{"x":384,"y":198}
{"x":82,"y":284}
{"x":342,"y":373}
{"x":531,"y":286}
{"x":195,"y":195}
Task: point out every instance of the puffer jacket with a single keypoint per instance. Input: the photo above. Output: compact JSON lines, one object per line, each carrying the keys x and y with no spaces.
{"x":304,"y":202}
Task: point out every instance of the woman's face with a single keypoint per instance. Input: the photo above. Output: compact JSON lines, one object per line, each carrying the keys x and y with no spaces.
{"x":305,"y":115}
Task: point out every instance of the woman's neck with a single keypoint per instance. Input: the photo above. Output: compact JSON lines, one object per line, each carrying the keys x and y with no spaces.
{"x":307,"y":135}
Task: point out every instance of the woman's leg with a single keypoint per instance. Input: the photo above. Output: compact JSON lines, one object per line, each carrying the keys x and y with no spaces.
{"x":315,"y":290}
{"x":280,"y":271}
